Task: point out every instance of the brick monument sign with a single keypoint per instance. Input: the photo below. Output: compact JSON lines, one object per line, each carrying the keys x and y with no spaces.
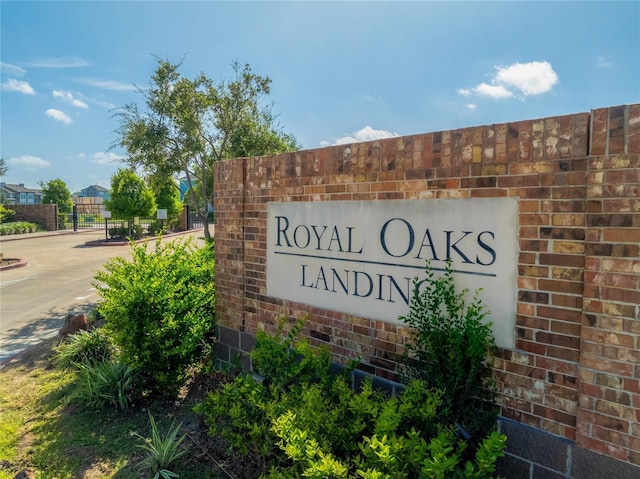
{"x":543,"y":215}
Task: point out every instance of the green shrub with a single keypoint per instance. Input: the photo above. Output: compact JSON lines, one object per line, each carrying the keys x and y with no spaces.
{"x":450,"y":348}
{"x":283,"y":360}
{"x":391,"y":455}
{"x":162,"y":450}
{"x":159,"y":308}
{"x":118,"y":232}
{"x":84,"y":347}
{"x":135,"y":232}
{"x":19,"y":227}
{"x":366,"y":434}
{"x":301,"y":424}
{"x":6,"y":214}
{"x":238,"y":412}
{"x":106,"y":384}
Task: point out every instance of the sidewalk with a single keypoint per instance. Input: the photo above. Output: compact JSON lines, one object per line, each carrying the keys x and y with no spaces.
{"x":43,"y":234}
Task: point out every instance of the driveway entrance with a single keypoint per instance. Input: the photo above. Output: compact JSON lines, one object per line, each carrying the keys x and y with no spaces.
{"x":55,"y":282}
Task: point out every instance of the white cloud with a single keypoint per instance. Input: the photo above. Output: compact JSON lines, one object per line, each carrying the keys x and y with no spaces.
{"x":471,"y":106}
{"x":68,"y":97}
{"x":602,"y":62}
{"x":105,"y":158}
{"x":18,"y":85}
{"x":59,"y":115}
{"x":12,"y":69}
{"x":30,"y":162}
{"x":110,"y":85}
{"x":60,"y":62}
{"x":365,"y":134}
{"x":494,"y":91}
{"x":533,"y":78}
{"x":523,"y":79}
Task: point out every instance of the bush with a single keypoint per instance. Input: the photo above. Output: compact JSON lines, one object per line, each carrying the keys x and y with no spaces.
{"x":315,"y":425}
{"x":159,"y":308}
{"x":450,"y":348}
{"x":106,"y":384}
{"x":6,"y":214}
{"x":118,"y":232}
{"x":84,"y":347}
{"x":19,"y":227}
{"x":283,"y":360}
{"x":162,"y":450}
{"x":124,"y":232}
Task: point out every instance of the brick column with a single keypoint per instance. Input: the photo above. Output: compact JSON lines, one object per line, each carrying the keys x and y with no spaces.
{"x":609,"y":371}
{"x":229,"y":245}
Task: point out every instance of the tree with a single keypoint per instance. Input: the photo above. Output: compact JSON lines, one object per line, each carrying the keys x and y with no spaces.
{"x":130,"y":197}
{"x":188,"y":125}
{"x":167,"y":196}
{"x":56,"y":191}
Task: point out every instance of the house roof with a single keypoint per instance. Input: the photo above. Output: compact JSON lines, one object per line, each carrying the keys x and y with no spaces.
{"x":95,"y":187}
{"x":19,"y":188}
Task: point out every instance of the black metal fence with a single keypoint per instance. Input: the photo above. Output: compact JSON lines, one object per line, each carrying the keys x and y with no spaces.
{"x":82,"y":219}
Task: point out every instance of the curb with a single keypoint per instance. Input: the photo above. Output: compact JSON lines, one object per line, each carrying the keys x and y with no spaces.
{"x":143,"y":240}
{"x":20,"y":263}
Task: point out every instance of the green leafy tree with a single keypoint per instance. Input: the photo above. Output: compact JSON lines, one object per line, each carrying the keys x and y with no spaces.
{"x":167,"y":196}
{"x":186,"y":125}
{"x":130,"y":197}
{"x":3,"y":167}
{"x":56,"y":191}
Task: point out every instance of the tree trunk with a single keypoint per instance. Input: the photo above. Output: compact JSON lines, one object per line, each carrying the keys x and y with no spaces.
{"x":205,"y":226}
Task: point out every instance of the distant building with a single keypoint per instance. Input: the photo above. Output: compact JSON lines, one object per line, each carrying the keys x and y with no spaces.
{"x":184,"y":187}
{"x":94,"y":191}
{"x":19,"y":194}
{"x":90,"y":200}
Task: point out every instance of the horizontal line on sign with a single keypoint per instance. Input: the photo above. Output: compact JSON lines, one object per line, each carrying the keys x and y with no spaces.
{"x":382,"y":263}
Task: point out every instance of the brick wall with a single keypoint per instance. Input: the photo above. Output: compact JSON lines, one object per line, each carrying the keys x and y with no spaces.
{"x":574,"y":374}
{"x":44,"y":215}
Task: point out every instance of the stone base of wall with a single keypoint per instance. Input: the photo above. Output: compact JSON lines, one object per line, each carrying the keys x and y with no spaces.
{"x":531,"y":453}
{"x":535,"y":454}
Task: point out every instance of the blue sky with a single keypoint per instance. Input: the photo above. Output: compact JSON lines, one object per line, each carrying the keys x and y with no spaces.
{"x":341,"y":71}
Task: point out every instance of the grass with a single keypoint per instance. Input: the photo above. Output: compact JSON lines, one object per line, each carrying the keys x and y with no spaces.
{"x":41,"y":428}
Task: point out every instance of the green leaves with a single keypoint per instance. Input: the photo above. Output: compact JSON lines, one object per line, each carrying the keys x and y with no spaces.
{"x":450,"y":349}
{"x":129,"y":197}
{"x":163,"y":450}
{"x":186,"y":125}
{"x":84,"y":347}
{"x":56,"y":191}
{"x":105,"y":384}
{"x":158,"y":307}
{"x":315,"y":425}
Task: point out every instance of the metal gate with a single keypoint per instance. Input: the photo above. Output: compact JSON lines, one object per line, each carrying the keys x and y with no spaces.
{"x":79,"y":220}
{"x":193,"y":221}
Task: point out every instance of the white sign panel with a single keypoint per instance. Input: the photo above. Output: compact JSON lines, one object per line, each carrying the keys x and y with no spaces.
{"x":360,"y":257}
{"x":162,"y":213}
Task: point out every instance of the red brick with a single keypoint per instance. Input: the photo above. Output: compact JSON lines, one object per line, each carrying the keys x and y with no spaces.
{"x":572,"y":316}
{"x":578,"y":262}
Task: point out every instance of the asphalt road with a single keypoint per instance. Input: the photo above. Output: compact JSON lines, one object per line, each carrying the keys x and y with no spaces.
{"x":55,"y":282}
